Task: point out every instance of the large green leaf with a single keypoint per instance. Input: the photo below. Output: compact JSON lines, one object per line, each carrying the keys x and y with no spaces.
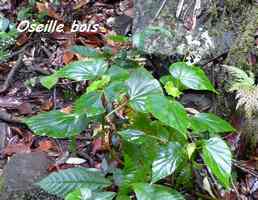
{"x":170,"y":112}
{"x":57,"y":124}
{"x":86,"y":51}
{"x":117,"y":73}
{"x":88,"y":194}
{"x":65,"y":181}
{"x":115,"y":90}
{"x":131,"y":135}
{"x":90,"y":103}
{"x":167,"y":161}
{"x":145,"y":191}
{"x":118,"y":38}
{"x":141,"y":84}
{"x":191,"y":76}
{"x":218,"y":158}
{"x":84,"y":70}
{"x":49,"y":81}
{"x":202,"y":122}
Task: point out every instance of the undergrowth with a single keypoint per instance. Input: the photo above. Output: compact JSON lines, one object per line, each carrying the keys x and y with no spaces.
{"x":162,"y":143}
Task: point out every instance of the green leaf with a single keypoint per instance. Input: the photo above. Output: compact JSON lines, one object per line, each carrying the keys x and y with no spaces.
{"x":74,"y":195}
{"x":99,"y":84}
{"x":118,"y":38}
{"x":123,"y":197}
{"x":141,"y":84}
{"x":90,"y":103}
{"x":145,"y":191}
{"x":131,"y":135}
{"x":87,"y":194}
{"x":84,"y":70}
{"x":172,"y":90}
{"x":86,"y":51}
{"x":191,"y":76}
{"x":57,"y":124}
{"x":117,"y":73}
{"x":167,"y":161}
{"x":218,"y":158}
{"x":209,"y":122}
{"x":171,"y":113}
{"x":65,"y":181}
{"x":115,"y":90}
{"x":49,"y":81}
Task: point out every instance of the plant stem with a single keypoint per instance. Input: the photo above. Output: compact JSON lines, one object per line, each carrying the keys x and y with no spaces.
{"x":116,"y":109}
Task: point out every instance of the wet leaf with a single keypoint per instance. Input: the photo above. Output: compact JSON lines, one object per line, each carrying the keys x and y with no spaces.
{"x":191,"y":76}
{"x":218,"y":158}
{"x":170,"y":112}
{"x":141,"y":84}
{"x":144,"y":191}
{"x":65,"y":181}
{"x":167,"y":161}
{"x":57,"y":124}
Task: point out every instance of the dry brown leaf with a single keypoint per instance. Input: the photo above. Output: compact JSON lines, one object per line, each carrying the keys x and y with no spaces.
{"x":16,"y":148}
{"x":68,"y":56}
{"x":67,"y":109}
{"x":45,"y":7}
{"x":45,"y":145}
{"x":81,"y":3}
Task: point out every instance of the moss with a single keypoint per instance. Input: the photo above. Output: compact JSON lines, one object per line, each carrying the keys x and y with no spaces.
{"x":238,"y":54}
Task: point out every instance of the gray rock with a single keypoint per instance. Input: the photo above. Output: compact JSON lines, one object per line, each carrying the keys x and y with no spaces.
{"x":4,"y":131}
{"x":23,"y":170}
{"x":19,"y":175}
{"x":191,"y":22}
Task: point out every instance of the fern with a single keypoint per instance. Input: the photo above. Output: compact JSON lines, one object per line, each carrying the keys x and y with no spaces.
{"x":246,"y":90}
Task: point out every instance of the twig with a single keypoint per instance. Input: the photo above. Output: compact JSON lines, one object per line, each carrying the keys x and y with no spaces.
{"x":14,"y":69}
{"x":159,"y":11}
{"x":116,"y":109}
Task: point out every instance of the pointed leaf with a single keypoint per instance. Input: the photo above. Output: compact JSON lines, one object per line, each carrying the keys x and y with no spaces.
{"x":167,"y":161}
{"x":131,"y":135}
{"x":57,"y":124}
{"x":171,"y":113}
{"x":90,"y":103}
{"x":87,"y":194}
{"x":65,"y":181}
{"x":191,"y":76}
{"x":86,"y":51}
{"x":49,"y":81}
{"x":115,"y":90}
{"x":141,"y":84}
{"x":145,"y":191}
{"x":209,"y":122}
{"x":84,"y":70}
{"x":218,"y":158}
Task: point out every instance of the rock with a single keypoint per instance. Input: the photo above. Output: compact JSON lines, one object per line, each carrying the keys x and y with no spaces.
{"x":4,"y":132}
{"x":20,"y":173}
{"x":201,"y":29}
{"x":23,"y":170}
{"x":200,"y":102}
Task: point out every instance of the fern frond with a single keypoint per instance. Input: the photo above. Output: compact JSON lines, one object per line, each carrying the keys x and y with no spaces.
{"x":248,"y":99}
{"x":246,"y":90}
{"x":240,"y":78}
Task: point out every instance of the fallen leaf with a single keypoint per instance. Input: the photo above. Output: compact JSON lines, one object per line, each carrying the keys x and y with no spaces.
{"x":16,"y":148}
{"x":97,"y":145}
{"x":68,"y":56}
{"x":45,"y":145}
